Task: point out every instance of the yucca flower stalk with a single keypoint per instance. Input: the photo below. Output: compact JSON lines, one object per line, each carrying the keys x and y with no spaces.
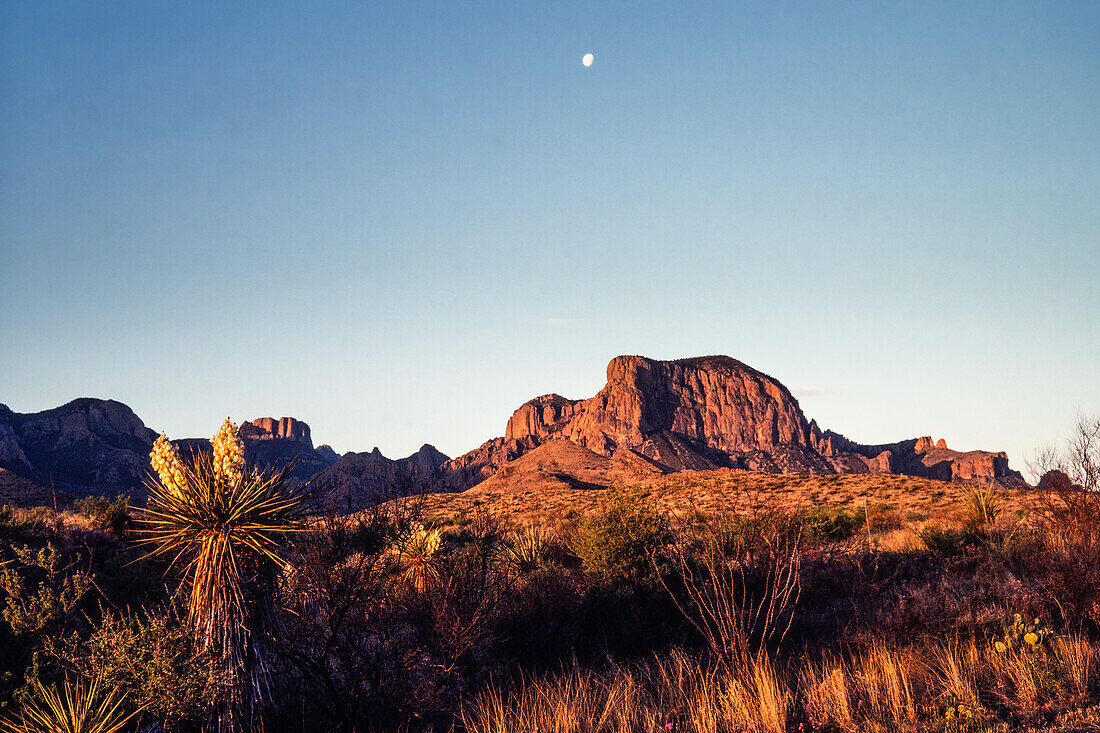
{"x":81,"y":707}
{"x":224,"y":524}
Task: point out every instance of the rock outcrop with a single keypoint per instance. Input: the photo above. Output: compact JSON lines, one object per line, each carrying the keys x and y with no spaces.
{"x":274,"y":444}
{"x":268,"y":428}
{"x":703,"y":413}
{"x":90,"y":446}
{"x":920,"y":457}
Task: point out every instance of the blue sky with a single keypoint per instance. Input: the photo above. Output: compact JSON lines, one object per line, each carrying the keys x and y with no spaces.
{"x":398,"y":221}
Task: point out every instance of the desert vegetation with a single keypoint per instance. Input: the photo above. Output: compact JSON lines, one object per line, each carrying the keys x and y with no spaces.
{"x":236,"y":601}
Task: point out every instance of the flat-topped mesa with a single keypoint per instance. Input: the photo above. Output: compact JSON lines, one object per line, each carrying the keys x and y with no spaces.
{"x":268,"y":428}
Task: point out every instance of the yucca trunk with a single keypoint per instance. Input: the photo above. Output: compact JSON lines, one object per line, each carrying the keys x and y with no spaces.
{"x":231,"y":615}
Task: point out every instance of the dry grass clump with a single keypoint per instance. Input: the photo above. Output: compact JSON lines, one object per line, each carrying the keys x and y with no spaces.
{"x":675,"y":692}
{"x":874,"y":691}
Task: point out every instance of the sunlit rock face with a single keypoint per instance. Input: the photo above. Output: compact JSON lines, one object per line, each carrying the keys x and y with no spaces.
{"x":704,"y":413}
{"x":682,"y":415}
{"x":268,"y":428}
{"x":360,"y":480}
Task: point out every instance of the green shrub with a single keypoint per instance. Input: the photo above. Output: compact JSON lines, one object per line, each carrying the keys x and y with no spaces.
{"x":106,"y":514}
{"x":150,"y":659}
{"x":40,"y":591}
{"x":832,"y":523}
{"x":621,"y":539}
{"x":944,"y":540}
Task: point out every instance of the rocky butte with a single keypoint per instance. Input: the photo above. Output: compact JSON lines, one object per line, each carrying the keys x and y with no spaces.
{"x":706,"y":413}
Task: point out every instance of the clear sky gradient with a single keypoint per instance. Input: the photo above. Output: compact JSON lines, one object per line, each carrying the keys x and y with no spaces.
{"x":399,"y":221}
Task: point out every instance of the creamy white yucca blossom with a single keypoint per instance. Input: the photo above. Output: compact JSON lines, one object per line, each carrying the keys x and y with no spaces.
{"x":166,"y":462}
{"x":228,"y":452}
{"x":429,"y":540}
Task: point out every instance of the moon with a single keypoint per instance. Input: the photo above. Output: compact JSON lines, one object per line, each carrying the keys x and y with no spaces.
{"x":587,"y":59}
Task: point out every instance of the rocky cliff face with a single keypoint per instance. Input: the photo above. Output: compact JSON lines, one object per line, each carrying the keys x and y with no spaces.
{"x":689,"y":414}
{"x":666,"y":416}
{"x":714,"y":401}
{"x":86,"y":446}
{"x":705,"y":413}
{"x":273,"y":444}
{"x":268,"y":428}
{"x":918,"y":457}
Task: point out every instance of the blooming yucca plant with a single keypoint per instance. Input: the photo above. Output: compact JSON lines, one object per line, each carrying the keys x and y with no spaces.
{"x":224,"y":523}
{"x":80,"y":707}
{"x":419,"y":553}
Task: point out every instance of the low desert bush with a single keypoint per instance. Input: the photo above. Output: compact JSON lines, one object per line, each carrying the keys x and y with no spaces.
{"x":1061,"y":561}
{"x":945,"y":540}
{"x":40,"y":588}
{"x":148,"y":658}
{"x":109,"y":515}
{"x":737,"y":582}
{"x":832,"y":523}
{"x":623,"y":537}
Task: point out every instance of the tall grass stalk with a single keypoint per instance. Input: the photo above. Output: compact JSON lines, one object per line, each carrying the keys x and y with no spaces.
{"x":676,"y":692}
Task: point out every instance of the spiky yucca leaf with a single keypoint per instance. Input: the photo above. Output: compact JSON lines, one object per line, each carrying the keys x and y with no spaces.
{"x":419,"y":553}
{"x":527,"y":552}
{"x":983,"y":506}
{"x":80,"y":707}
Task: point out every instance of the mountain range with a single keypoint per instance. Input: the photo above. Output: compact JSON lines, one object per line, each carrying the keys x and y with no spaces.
{"x":651,"y":417}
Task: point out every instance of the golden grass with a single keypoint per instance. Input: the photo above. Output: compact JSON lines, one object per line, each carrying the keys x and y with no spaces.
{"x":956,"y":685}
{"x":675,"y":692}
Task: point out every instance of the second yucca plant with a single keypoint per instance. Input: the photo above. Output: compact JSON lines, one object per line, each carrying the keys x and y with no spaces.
{"x":224,"y":524}
{"x":83,"y":706}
